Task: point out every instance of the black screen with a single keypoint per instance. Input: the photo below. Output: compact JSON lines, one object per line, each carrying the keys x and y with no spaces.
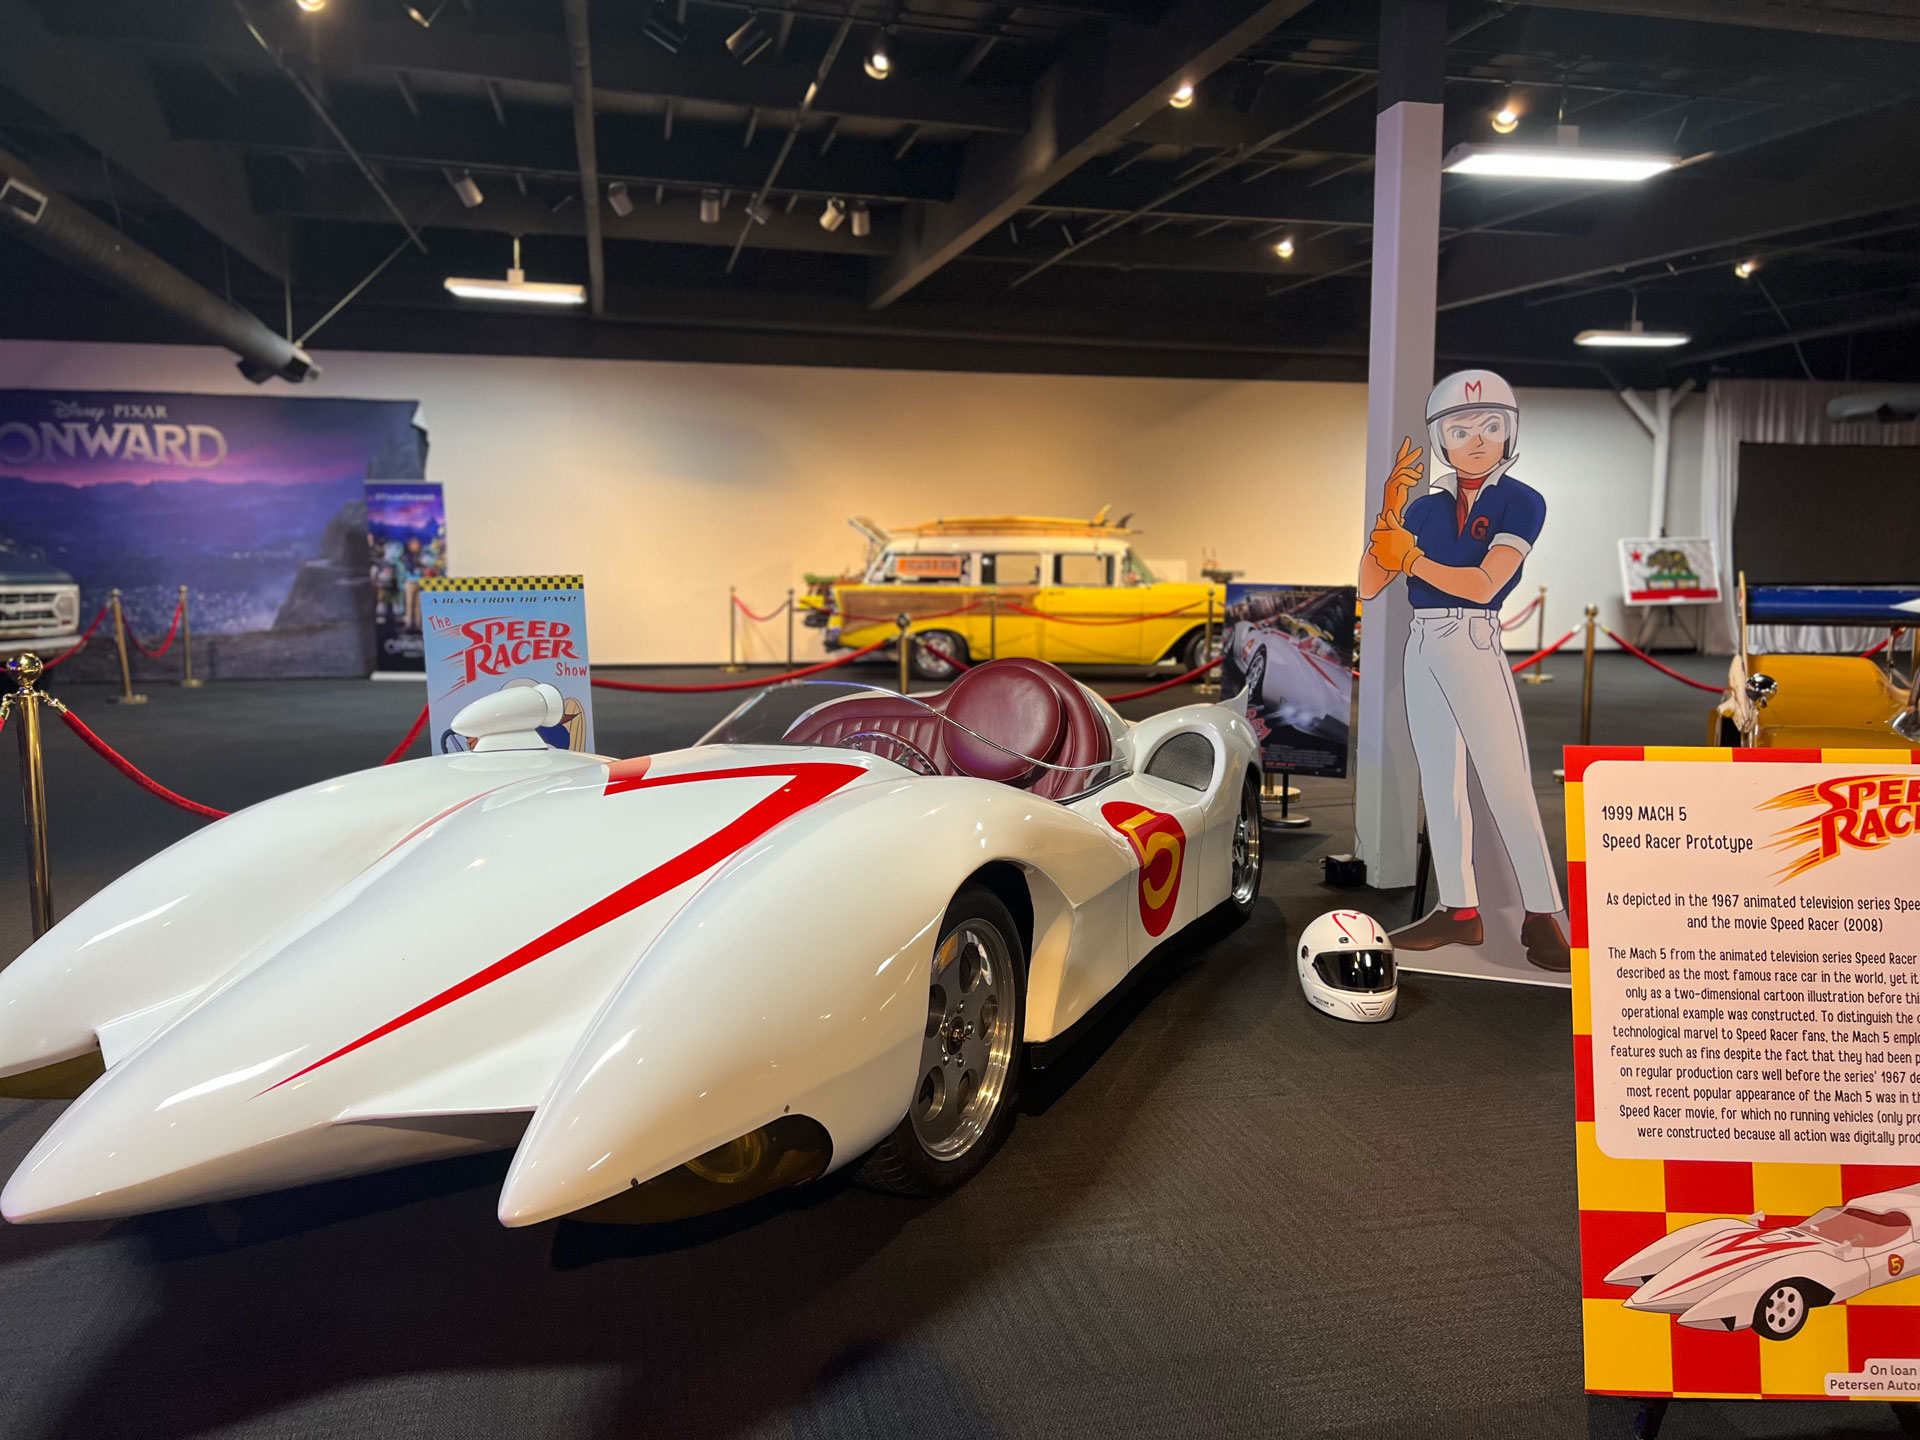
{"x":1828,"y":515}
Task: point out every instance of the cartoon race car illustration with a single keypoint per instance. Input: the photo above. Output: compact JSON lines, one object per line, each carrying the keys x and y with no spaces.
{"x":650,"y":978}
{"x":1728,"y":1274}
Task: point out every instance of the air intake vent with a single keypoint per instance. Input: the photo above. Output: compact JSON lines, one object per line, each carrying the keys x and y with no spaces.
{"x":1186,"y":759}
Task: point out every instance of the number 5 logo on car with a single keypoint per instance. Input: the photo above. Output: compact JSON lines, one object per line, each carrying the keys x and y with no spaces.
{"x":1160,"y":845}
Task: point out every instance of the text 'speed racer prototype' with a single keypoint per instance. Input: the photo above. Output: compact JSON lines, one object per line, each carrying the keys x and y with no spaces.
{"x":1732,"y":1274}
{"x":822,"y":936}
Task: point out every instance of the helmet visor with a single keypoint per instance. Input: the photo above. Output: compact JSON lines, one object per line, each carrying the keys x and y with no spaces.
{"x":1368,"y":971}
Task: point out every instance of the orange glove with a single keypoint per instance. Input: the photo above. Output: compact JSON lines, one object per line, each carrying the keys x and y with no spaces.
{"x":1392,"y":546}
{"x":1407,"y":473}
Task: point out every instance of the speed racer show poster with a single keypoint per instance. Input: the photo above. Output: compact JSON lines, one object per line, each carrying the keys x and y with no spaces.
{"x":495,"y":633}
{"x":1746,"y":1016}
{"x":406,"y":544}
{"x":254,"y":502}
{"x":1292,"y":648}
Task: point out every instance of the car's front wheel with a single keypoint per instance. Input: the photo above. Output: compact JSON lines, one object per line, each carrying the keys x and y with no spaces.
{"x":1243,"y":881}
{"x":970,"y":1053}
{"x":1783,"y":1309}
{"x":938,"y":654}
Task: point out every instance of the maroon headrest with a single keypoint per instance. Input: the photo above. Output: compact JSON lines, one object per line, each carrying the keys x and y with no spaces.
{"x":1018,"y":709}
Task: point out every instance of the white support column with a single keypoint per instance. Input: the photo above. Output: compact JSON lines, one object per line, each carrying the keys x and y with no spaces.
{"x":1406,"y":247}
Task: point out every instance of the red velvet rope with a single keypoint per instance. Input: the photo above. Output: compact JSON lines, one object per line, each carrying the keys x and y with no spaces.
{"x":85,"y":636}
{"x":945,"y":654}
{"x":1518,"y":620}
{"x":419,"y":724}
{"x":1166,"y":684}
{"x":166,"y":644}
{"x":1635,"y":650}
{"x":1538,"y":656}
{"x":127,"y":768}
{"x":773,"y":614}
{"x":740,"y":684}
{"x":1892,"y":636}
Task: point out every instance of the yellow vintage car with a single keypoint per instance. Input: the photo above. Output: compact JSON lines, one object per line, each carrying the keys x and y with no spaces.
{"x":1813,"y":702}
{"x":983,"y":587}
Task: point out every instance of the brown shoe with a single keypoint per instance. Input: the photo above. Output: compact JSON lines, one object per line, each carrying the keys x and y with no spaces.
{"x":1439,"y":928}
{"x":1546,"y":946}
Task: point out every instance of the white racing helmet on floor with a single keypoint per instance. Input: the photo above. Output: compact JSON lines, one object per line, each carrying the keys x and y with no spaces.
{"x":1346,"y":967}
{"x":1467,"y":391}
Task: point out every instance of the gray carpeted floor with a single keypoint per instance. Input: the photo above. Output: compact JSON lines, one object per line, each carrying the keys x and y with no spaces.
{"x":1222,"y":1215}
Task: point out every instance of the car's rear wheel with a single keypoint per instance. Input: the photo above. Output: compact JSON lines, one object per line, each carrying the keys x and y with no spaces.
{"x":964,"y":1093}
{"x":1783,"y":1309}
{"x":938,"y":654}
{"x":1243,"y":881}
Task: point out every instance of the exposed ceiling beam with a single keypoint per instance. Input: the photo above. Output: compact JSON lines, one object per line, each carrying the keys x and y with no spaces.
{"x":532,"y":68}
{"x":1861,"y":166}
{"x":580,"y":64}
{"x":1880,"y":320}
{"x":1861,"y":19}
{"x":1094,"y":95}
{"x":108,"y":101}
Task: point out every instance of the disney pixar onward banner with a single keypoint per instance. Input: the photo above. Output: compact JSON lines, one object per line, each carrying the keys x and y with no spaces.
{"x":503,"y":632}
{"x":1746,"y":943}
{"x":1291,"y":648}
{"x":406,"y":543}
{"x":253,"y":502}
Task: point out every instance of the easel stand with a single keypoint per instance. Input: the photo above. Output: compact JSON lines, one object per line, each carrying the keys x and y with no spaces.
{"x":1275,"y":791}
{"x":1655,"y":620}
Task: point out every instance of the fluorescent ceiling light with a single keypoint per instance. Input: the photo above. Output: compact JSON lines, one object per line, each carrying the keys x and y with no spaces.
{"x":1634,"y":339}
{"x":1554,"y":162}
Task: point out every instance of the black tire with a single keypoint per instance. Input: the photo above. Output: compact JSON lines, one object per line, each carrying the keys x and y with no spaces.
{"x":1241,"y":895}
{"x":904,"y":1163}
{"x":1192,"y":651}
{"x":1783,"y":1308}
{"x":928,"y":663}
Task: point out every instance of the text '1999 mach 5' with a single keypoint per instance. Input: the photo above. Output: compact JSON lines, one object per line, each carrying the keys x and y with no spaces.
{"x":823,"y":936}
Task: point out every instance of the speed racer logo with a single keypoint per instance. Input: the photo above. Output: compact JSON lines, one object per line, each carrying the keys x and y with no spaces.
{"x":1862,"y":812}
{"x":1160,"y":845}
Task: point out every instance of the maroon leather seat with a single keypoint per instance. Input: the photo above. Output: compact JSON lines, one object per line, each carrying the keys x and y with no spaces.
{"x":1028,"y":706}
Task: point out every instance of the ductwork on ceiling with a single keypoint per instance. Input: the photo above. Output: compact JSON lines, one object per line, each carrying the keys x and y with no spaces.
{"x":70,"y":233}
{"x":1889,"y":407}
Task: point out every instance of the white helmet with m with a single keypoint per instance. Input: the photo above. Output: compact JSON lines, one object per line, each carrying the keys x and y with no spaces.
{"x":1473,"y":391}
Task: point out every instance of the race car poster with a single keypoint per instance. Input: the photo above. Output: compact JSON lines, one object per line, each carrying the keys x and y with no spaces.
{"x":1746,"y":979}
{"x":253,"y":502}
{"x":1291,"y":648}
{"x":502,"y":632}
{"x":406,"y":544}
{"x":1669,"y":572}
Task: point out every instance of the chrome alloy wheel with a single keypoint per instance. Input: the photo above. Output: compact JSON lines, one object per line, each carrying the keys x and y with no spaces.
{"x":1246,"y":847}
{"x":969,"y":1041}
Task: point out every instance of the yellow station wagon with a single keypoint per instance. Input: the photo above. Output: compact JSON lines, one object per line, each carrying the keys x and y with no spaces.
{"x":983,"y":587}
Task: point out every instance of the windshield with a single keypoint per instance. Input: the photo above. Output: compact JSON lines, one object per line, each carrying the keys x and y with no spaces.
{"x":1865,"y":1228}
{"x":1138,"y":567}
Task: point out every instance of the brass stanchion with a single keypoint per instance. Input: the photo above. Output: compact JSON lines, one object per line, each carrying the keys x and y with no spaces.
{"x":993,"y":624}
{"x":1538,"y":674}
{"x":1210,"y":682}
{"x":23,"y":707}
{"x":187,"y":682}
{"x":1586,"y":683}
{"x":789,"y":627}
{"x":906,"y":651}
{"x":733,"y":633}
{"x":126,"y":695}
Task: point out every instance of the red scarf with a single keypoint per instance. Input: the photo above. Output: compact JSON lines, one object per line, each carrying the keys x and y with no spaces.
{"x":1469,"y":490}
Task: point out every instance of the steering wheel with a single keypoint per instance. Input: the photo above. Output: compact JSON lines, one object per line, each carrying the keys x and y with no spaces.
{"x":915,"y":758}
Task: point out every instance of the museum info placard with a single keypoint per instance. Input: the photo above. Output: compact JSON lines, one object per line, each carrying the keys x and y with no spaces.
{"x":1747,"y":1061}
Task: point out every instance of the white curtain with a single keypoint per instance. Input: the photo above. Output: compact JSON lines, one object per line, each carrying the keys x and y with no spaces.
{"x":1776,"y":412}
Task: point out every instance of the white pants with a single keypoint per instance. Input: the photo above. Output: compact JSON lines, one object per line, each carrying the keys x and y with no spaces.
{"x":1461,"y":705}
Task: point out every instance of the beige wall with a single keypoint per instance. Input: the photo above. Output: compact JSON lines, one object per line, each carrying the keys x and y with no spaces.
{"x":666,"y":482}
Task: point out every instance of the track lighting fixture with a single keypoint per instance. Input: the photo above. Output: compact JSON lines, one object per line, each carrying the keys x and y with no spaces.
{"x":465,"y":187}
{"x":746,"y":43}
{"x":1284,"y":247}
{"x":1506,"y":120}
{"x":425,"y":20}
{"x":833,"y":215}
{"x":759,"y":212}
{"x":312,"y":7}
{"x":709,"y":207}
{"x":862,"y":220}
{"x":1746,"y":268}
{"x":1183,"y":97}
{"x":663,"y":30}
{"x":618,"y":200}
{"x":879,"y":61}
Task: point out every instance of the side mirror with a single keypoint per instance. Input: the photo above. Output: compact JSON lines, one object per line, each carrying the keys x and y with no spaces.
{"x":1907,"y":722}
{"x":1761,"y":688}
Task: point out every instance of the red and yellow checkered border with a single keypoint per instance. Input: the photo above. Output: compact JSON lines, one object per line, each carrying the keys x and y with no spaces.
{"x":1627,"y":1204}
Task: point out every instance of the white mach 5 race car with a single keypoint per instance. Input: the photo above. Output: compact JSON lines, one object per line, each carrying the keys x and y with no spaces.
{"x":823,"y":936}
{"x":1728,"y":1274}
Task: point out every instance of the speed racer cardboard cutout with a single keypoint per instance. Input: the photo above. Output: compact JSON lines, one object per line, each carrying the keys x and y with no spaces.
{"x":1459,"y":546}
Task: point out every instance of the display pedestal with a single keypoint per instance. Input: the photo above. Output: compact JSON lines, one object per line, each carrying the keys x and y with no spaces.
{"x":1275,"y":800}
